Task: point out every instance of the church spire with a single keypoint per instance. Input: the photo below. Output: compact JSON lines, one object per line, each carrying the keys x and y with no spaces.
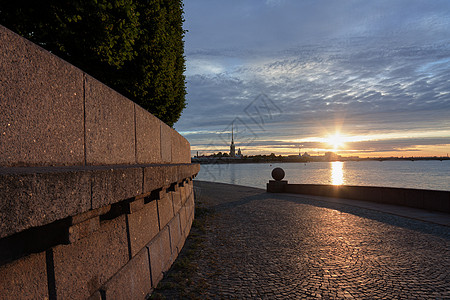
{"x":232,"y":146}
{"x":232,"y":135}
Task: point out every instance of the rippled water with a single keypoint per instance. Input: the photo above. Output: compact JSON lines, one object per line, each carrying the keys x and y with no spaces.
{"x":433,"y":175}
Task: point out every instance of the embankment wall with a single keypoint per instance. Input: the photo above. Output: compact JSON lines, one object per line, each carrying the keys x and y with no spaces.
{"x":417,"y":198}
{"x":96,"y":194}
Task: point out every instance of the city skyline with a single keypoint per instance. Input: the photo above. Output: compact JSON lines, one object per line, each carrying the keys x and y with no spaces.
{"x":356,"y":78}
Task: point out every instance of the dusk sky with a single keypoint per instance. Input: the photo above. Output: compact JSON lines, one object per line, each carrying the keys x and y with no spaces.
{"x":291,"y":74}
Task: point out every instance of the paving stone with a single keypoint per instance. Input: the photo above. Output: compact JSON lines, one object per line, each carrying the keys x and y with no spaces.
{"x":279,"y":246}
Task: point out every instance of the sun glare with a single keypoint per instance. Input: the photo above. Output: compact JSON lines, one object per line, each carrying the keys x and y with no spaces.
{"x":336,"y":140}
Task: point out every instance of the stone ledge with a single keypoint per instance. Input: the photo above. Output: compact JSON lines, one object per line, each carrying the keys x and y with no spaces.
{"x":38,"y":196}
{"x":415,"y":198}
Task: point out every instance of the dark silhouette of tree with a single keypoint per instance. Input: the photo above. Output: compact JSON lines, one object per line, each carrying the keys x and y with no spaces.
{"x":134,"y":46}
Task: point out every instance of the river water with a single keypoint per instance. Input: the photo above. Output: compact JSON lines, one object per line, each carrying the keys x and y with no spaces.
{"x":434,"y":175}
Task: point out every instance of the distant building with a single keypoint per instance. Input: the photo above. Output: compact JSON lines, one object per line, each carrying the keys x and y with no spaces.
{"x":232,"y":146}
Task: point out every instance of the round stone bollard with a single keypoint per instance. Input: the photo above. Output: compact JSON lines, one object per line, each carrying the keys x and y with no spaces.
{"x":278,"y":174}
{"x":278,"y":185}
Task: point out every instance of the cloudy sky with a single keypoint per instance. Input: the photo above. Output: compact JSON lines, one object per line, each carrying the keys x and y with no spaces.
{"x":290,"y":74}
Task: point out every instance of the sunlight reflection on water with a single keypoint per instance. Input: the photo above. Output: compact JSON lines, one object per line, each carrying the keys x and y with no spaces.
{"x":405,"y":174}
{"x":337,"y":172}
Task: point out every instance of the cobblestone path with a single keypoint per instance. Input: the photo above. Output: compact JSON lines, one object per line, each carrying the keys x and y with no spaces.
{"x":275,"y":246}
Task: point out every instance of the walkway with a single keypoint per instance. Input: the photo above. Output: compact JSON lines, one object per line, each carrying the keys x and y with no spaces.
{"x":274,"y":246}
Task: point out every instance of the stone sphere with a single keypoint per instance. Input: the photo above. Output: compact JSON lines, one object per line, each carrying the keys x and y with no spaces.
{"x":278,"y":174}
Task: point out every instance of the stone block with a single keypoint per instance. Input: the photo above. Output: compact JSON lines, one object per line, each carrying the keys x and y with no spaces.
{"x":173,"y":173}
{"x":160,"y":255}
{"x":191,"y":204}
{"x":391,"y":196}
{"x":413,"y":198}
{"x":436,"y":200}
{"x":90,"y":214}
{"x":42,"y":114}
{"x":96,"y":296}
{"x":181,"y":150}
{"x":183,"y":219}
{"x":155,"y":177}
{"x":143,"y":226}
{"x":148,"y":137}
{"x":29,"y":200}
{"x":165,"y":208}
{"x":132,"y":281}
{"x":113,"y":185}
{"x":166,"y":143}
{"x":176,"y":199}
{"x":83,"y":267}
{"x":277,"y":186}
{"x":110,"y":125}
{"x":83,"y":229}
{"x":136,"y":205}
{"x":175,"y":233}
{"x":25,"y":278}
{"x":182,"y":190}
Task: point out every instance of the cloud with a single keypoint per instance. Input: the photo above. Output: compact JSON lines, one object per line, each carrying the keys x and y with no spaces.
{"x":360,"y":67}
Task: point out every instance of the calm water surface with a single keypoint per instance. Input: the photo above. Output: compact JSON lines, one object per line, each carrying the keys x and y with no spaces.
{"x":433,"y":175}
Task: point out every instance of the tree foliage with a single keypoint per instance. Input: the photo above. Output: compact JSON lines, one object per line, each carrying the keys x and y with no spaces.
{"x":134,"y":46}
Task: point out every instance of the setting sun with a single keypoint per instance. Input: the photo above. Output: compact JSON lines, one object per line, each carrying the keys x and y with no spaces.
{"x":336,"y":141}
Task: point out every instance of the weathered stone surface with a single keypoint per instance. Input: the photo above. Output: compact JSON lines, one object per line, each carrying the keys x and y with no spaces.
{"x":181,"y":150}
{"x":133,"y":280}
{"x":165,"y":208}
{"x":113,"y":185}
{"x":83,"y":267}
{"x":436,"y":200}
{"x":156,"y":177}
{"x":176,"y":199}
{"x":95,"y":296}
{"x":160,"y":254}
{"x":90,"y":214}
{"x":183,"y":195}
{"x":83,"y":229}
{"x":30,"y":200}
{"x":25,"y":278}
{"x":166,"y":143}
{"x":143,"y":226}
{"x":148,"y":137}
{"x":183,"y":219}
{"x":110,"y":125}
{"x":175,"y":233}
{"x":41,"y":120}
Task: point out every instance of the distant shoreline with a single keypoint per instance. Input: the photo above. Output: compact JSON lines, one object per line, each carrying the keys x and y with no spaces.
{"x":229,"y":160}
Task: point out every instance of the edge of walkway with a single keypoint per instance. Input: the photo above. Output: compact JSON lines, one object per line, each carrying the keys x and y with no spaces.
{"x":434,"y":217}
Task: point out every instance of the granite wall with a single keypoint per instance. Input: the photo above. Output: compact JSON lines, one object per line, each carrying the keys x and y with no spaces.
{"x":96,"y":194}
{"x":416,"y":198}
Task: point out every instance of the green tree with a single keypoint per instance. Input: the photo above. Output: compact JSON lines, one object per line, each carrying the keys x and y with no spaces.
{"x":134,"y":46}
